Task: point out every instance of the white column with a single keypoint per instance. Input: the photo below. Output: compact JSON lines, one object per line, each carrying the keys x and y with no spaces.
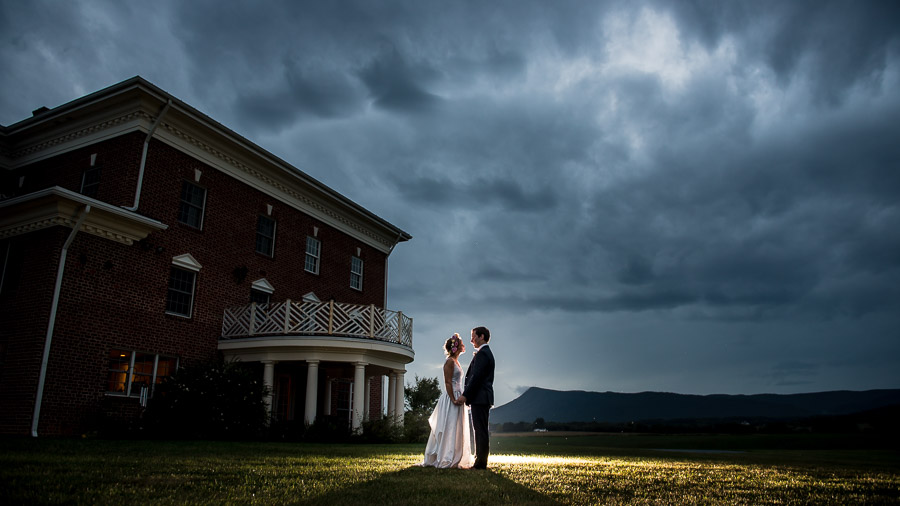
{"x":359,"y":395}
{"x":401,"y":404}
{"x":312,"y":387}
{"x":269,"y":382}
{"x":392,"y":394}
{"x":368,"y":405}
{"x":328,"y":397}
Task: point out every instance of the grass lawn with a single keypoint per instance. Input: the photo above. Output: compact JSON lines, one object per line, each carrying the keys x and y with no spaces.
{"x":525,"y":469}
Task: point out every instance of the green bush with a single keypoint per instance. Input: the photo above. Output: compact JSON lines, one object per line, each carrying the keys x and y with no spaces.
{"x":212,"y":400}
{"x":415,"y":427}
{"x":381,"y":430}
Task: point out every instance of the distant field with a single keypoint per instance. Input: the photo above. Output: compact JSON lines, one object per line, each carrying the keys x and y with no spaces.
{"x":550,"y":468}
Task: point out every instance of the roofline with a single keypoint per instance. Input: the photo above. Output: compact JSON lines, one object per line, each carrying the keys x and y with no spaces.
{"x":138,"y":82}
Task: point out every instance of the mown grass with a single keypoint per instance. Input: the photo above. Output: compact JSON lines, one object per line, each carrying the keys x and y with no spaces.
{"x":555,"y":469}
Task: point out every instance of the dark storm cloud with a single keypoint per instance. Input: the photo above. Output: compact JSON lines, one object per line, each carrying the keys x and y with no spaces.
{"x":836,"y":44}
{"x":301,"y":94}
{"x":484,"y":194}
{"x":398,"y":85}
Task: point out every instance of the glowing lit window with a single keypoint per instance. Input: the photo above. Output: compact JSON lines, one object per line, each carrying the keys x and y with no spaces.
{"x":130,"y":372}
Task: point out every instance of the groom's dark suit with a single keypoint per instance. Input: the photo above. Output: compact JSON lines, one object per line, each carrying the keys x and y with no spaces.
{"x":479,"y":394}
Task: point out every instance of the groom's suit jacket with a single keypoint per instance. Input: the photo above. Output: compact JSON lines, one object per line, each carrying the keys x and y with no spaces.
{"x":480,"y":378}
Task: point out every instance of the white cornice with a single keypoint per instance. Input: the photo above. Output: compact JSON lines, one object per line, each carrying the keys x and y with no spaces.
{"x":59,"y":207}
{"x":91,"y":134}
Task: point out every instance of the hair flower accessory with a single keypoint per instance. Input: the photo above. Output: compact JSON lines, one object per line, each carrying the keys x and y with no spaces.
{"x":453,"y":345}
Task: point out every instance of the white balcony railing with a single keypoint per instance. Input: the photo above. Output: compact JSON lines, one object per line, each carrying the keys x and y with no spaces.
{"x":317,"y":318}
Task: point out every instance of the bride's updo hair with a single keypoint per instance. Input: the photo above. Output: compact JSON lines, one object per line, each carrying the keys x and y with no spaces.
{"x":453,"y":345}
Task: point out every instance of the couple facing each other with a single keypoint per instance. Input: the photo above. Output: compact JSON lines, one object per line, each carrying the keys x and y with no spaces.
{"x":450,"y":442}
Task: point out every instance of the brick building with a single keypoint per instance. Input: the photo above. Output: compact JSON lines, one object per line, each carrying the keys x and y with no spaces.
{"x":138,"y":235}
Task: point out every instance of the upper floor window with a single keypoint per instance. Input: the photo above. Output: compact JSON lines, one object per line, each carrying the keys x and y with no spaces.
{"x":265,"y":236}
{"x":180,"y":298}
{"x":356,"y":273}
{"x":261,"y":291}
{"x":193,"y":202}
{"x":313,"y":254}
{"x":259,"y":296}
{"x":90,"y":182}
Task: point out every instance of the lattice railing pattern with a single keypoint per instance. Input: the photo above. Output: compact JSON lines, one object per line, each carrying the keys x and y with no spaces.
{"x":317,"y":318}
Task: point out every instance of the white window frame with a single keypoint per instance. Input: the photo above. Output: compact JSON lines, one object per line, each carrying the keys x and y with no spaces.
{"x":314,"y":257}
{"x":186,"y":263}
{"x":193,"y":290}
{"x":202,"y":206}
{"x":271,"y":240}
{"x":354,"y":275}
{"x":84,"y":178}
{"x":129,"y":380}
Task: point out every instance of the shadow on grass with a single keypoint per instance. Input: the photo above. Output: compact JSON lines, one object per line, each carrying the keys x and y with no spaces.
{"x":435,"y":487}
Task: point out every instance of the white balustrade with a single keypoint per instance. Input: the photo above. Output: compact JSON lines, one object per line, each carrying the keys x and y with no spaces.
{"x":317,"y":318}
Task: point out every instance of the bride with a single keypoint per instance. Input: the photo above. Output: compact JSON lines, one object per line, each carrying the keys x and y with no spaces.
{"x":450,"y":442}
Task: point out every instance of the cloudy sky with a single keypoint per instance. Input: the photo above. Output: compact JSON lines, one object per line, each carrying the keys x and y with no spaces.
{"x":694,"y":197}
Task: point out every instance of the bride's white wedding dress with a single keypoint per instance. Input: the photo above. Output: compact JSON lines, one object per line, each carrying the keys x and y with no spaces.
{"x":450,"y":442}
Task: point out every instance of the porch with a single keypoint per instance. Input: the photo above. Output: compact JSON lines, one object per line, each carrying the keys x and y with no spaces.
{"x":323,"y":358}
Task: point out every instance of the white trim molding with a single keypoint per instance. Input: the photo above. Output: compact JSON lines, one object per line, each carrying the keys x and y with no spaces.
{"x":187,"y":261}
{"x":59,"y":206}
{"x":263,"y":285}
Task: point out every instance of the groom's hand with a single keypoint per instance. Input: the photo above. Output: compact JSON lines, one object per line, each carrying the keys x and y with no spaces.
{"x":460,"y":400}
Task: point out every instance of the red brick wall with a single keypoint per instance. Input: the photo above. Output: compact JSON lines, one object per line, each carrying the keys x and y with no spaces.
{"x":375,"y":395}
{"x":24,"y":312}
{"x":113,"y":296}
{"x":118,"y":159}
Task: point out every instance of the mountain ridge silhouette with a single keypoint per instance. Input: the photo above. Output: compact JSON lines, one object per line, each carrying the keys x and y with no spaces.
{"x":615,"y":407}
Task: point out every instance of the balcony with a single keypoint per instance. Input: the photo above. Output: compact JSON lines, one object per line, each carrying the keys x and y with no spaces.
{"x":309,"y":318}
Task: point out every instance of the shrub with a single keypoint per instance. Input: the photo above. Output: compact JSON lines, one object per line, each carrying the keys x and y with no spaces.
{"x":415,"y":427}
{"x":381,"y":430}
{"x":212,"y":400}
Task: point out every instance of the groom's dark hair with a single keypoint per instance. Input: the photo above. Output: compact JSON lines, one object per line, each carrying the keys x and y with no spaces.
{"x":483,"y":332}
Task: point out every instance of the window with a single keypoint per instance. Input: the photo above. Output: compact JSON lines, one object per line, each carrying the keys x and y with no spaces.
{"x":193,"y":200}
{"x":129,"y":372}
{"x":356,"y":273}
{"x":181,"y":292}
{"x":259,"y":296}
{"x":265,"y":236}
{"x":313,"y":254}
{"x":90,"y":182}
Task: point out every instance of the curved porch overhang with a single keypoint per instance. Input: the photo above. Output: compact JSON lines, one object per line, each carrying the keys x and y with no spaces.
{"x":390,"y":356}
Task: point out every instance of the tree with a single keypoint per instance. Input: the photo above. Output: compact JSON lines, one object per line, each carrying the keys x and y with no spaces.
{"x":423,"y":395}
{"x":421,"y":398}
{"x":539,"y":423}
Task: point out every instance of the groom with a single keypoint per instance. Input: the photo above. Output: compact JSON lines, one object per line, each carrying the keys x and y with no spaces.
{"x":479,"y":393}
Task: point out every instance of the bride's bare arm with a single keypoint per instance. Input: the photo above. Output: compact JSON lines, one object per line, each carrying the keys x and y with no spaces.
{"x":448,"y":379}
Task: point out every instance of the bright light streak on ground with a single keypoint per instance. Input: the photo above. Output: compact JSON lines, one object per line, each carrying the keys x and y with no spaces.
{"x":532,"y":459}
